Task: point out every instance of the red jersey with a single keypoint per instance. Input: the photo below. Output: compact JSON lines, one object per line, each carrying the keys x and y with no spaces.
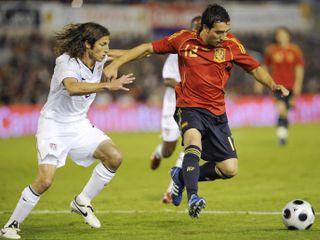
{"x":204,"y":69}
{"x":282,"y":63}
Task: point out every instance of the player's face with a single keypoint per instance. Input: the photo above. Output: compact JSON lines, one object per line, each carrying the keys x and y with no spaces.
{"x":196,"y":25}
{"x":217,"y":33}
{"x":282,"y":36}
{"x":100,"y":49}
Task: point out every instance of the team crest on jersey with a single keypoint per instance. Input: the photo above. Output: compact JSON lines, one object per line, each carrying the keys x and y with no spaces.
{"x":219,"y":55}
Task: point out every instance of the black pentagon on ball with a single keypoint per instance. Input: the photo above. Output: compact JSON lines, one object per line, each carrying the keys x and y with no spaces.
{"x":313,"y":211}
{"x":292,"y":228}
{"x":286,"y":213}
{"x":298,"y":202}
{"x":303,"y":217}
{"x":309,"y":226}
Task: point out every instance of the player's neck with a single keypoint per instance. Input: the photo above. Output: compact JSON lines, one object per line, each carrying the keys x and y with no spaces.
{"x":88,"y":61}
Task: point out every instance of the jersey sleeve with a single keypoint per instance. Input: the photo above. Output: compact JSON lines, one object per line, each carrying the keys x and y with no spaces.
{"x":163,"y":46}
{"x":66,"y":67}
{"x":169,"y":44}
{"x":242,"y":58}
{"x":171,"y":68}
{"x":298,"y":56}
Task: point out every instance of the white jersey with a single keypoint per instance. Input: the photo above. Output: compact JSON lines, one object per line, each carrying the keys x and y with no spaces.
{"x":60,"y":106}
{"x":170,"y":70}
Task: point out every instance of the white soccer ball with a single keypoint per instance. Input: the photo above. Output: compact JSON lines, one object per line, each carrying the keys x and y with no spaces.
{"x":298,"y":215}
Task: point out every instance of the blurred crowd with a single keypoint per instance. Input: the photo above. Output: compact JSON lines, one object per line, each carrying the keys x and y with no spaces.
{"x":27,"y":63}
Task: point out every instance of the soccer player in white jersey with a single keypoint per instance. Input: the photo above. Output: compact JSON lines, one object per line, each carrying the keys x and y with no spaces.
{"x":170,"y":132}
{"x":63,"y":127}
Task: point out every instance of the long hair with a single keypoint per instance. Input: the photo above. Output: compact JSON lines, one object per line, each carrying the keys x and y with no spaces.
{"x":72,"y":38}
{"x":214,"y":13}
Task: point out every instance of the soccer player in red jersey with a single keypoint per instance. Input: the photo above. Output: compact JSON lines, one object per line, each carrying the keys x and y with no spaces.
{"x":285,"y":62}
{"x":205,"y":58}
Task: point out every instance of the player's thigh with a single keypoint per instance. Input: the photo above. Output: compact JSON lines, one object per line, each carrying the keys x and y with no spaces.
{"x":53,"y":142}
{"x":217,"y":142}
{"x":282,"y":107}
{"x":83,"y":149}
{"x":190,"y":122}
{"x":170,"y":131}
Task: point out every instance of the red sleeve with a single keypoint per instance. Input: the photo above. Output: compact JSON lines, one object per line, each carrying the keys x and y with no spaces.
{"x":243,"y":59}
{"x":298,"y":56}
{"x":163,"y":46}
{"x":170,"y":44}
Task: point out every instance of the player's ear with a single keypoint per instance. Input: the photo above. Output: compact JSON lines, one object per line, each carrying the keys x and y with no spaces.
{"x":87,"y":45}
{"x":206,"y":28}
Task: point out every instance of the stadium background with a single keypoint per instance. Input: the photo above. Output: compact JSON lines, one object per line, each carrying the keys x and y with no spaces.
{"x":27,"y":58}
{"x":247,"y":207}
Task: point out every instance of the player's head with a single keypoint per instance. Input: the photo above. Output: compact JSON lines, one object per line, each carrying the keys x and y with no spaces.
{"x":282,"y":35}
{"x":78,"y":39}
{"x":195,"y":24}
{"x":215,"y":22}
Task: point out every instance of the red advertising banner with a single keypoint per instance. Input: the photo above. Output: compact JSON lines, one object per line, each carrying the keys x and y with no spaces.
{"x":20,"y":120}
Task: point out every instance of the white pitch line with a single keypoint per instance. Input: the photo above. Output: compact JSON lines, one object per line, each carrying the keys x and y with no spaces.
{"x":43,"y":212}
{"x":209,"y":212}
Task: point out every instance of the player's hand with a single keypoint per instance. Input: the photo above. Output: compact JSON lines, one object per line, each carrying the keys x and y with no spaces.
{"x":118,"y":84}
{"x":279,"y":88}
{"x":110,"y":72}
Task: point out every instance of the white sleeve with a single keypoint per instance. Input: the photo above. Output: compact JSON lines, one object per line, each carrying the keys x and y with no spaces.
{"x":171,"y":68}
{"x":66,"y":67}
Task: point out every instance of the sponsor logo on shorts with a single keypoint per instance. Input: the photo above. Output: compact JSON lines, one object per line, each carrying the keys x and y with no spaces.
{"x":184,"y":124}
{"x":53,"y":146}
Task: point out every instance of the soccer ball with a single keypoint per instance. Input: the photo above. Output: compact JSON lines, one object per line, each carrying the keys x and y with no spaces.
{"x":298,"y":215}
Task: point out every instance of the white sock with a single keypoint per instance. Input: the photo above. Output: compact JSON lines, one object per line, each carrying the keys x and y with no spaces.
{"x":159,"y":151}
{"x":100,"y":177}
{"x":282,"y":132}
{"x":180,"y":160}
{"x":178,"y":164}
{"x":29,"y":199}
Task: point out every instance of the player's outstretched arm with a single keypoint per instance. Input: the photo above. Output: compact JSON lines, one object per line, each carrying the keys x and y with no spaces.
{"x":262,"y":76}
{"x":111,"y":71}
{"x":76,"y":88}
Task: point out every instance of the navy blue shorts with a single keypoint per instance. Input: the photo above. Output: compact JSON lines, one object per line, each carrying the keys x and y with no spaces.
{"x":286,"y":100}
{"x":217,"y":142}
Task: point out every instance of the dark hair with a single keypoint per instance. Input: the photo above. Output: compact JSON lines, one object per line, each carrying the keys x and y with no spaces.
{"x":214,"y":13}
{"x":194,"y":21}
{"x":281,"y":28}
{"x":72,"y":38}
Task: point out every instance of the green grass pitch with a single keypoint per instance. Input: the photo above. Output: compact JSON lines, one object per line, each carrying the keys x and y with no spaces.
{"x":130,"y":208}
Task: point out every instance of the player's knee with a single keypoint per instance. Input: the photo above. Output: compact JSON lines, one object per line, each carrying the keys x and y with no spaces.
{"x":42,"y":184}
{"x":230,"y":172}
{"x":167,"y":152}
{"x":113,"y":159}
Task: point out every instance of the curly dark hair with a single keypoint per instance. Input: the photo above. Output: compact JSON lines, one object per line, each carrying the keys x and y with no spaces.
{"x":214,"y":13}
{"x":72,"y":38}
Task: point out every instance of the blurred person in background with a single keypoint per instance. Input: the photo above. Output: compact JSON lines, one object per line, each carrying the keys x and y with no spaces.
{"x":170,"y":132}
{"x":63,"y":127}
{"x":205,"y":62}
{"x":285,"y":61}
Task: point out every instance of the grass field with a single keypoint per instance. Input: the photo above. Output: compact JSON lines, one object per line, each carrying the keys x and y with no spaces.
{"x":130,"y":208}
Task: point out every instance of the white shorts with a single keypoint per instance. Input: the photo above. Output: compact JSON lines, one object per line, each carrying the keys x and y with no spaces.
{"x":169,"y":129}
{"x":56,"y":141}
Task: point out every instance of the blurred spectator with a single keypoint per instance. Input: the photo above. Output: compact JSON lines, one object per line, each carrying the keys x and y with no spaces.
{"x":27,"y":62}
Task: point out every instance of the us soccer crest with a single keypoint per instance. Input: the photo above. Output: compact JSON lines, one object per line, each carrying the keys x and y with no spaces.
{"x":219,"y":55}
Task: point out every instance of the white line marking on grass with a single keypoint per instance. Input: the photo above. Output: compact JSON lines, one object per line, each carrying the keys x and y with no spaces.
{"x":43,"y":212}
{"x":209,"y":212}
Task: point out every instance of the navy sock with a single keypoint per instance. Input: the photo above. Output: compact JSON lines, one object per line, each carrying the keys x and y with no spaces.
{"x":209,"y":172}
{"x":190,"y":169}
{"x":283,"y":122}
